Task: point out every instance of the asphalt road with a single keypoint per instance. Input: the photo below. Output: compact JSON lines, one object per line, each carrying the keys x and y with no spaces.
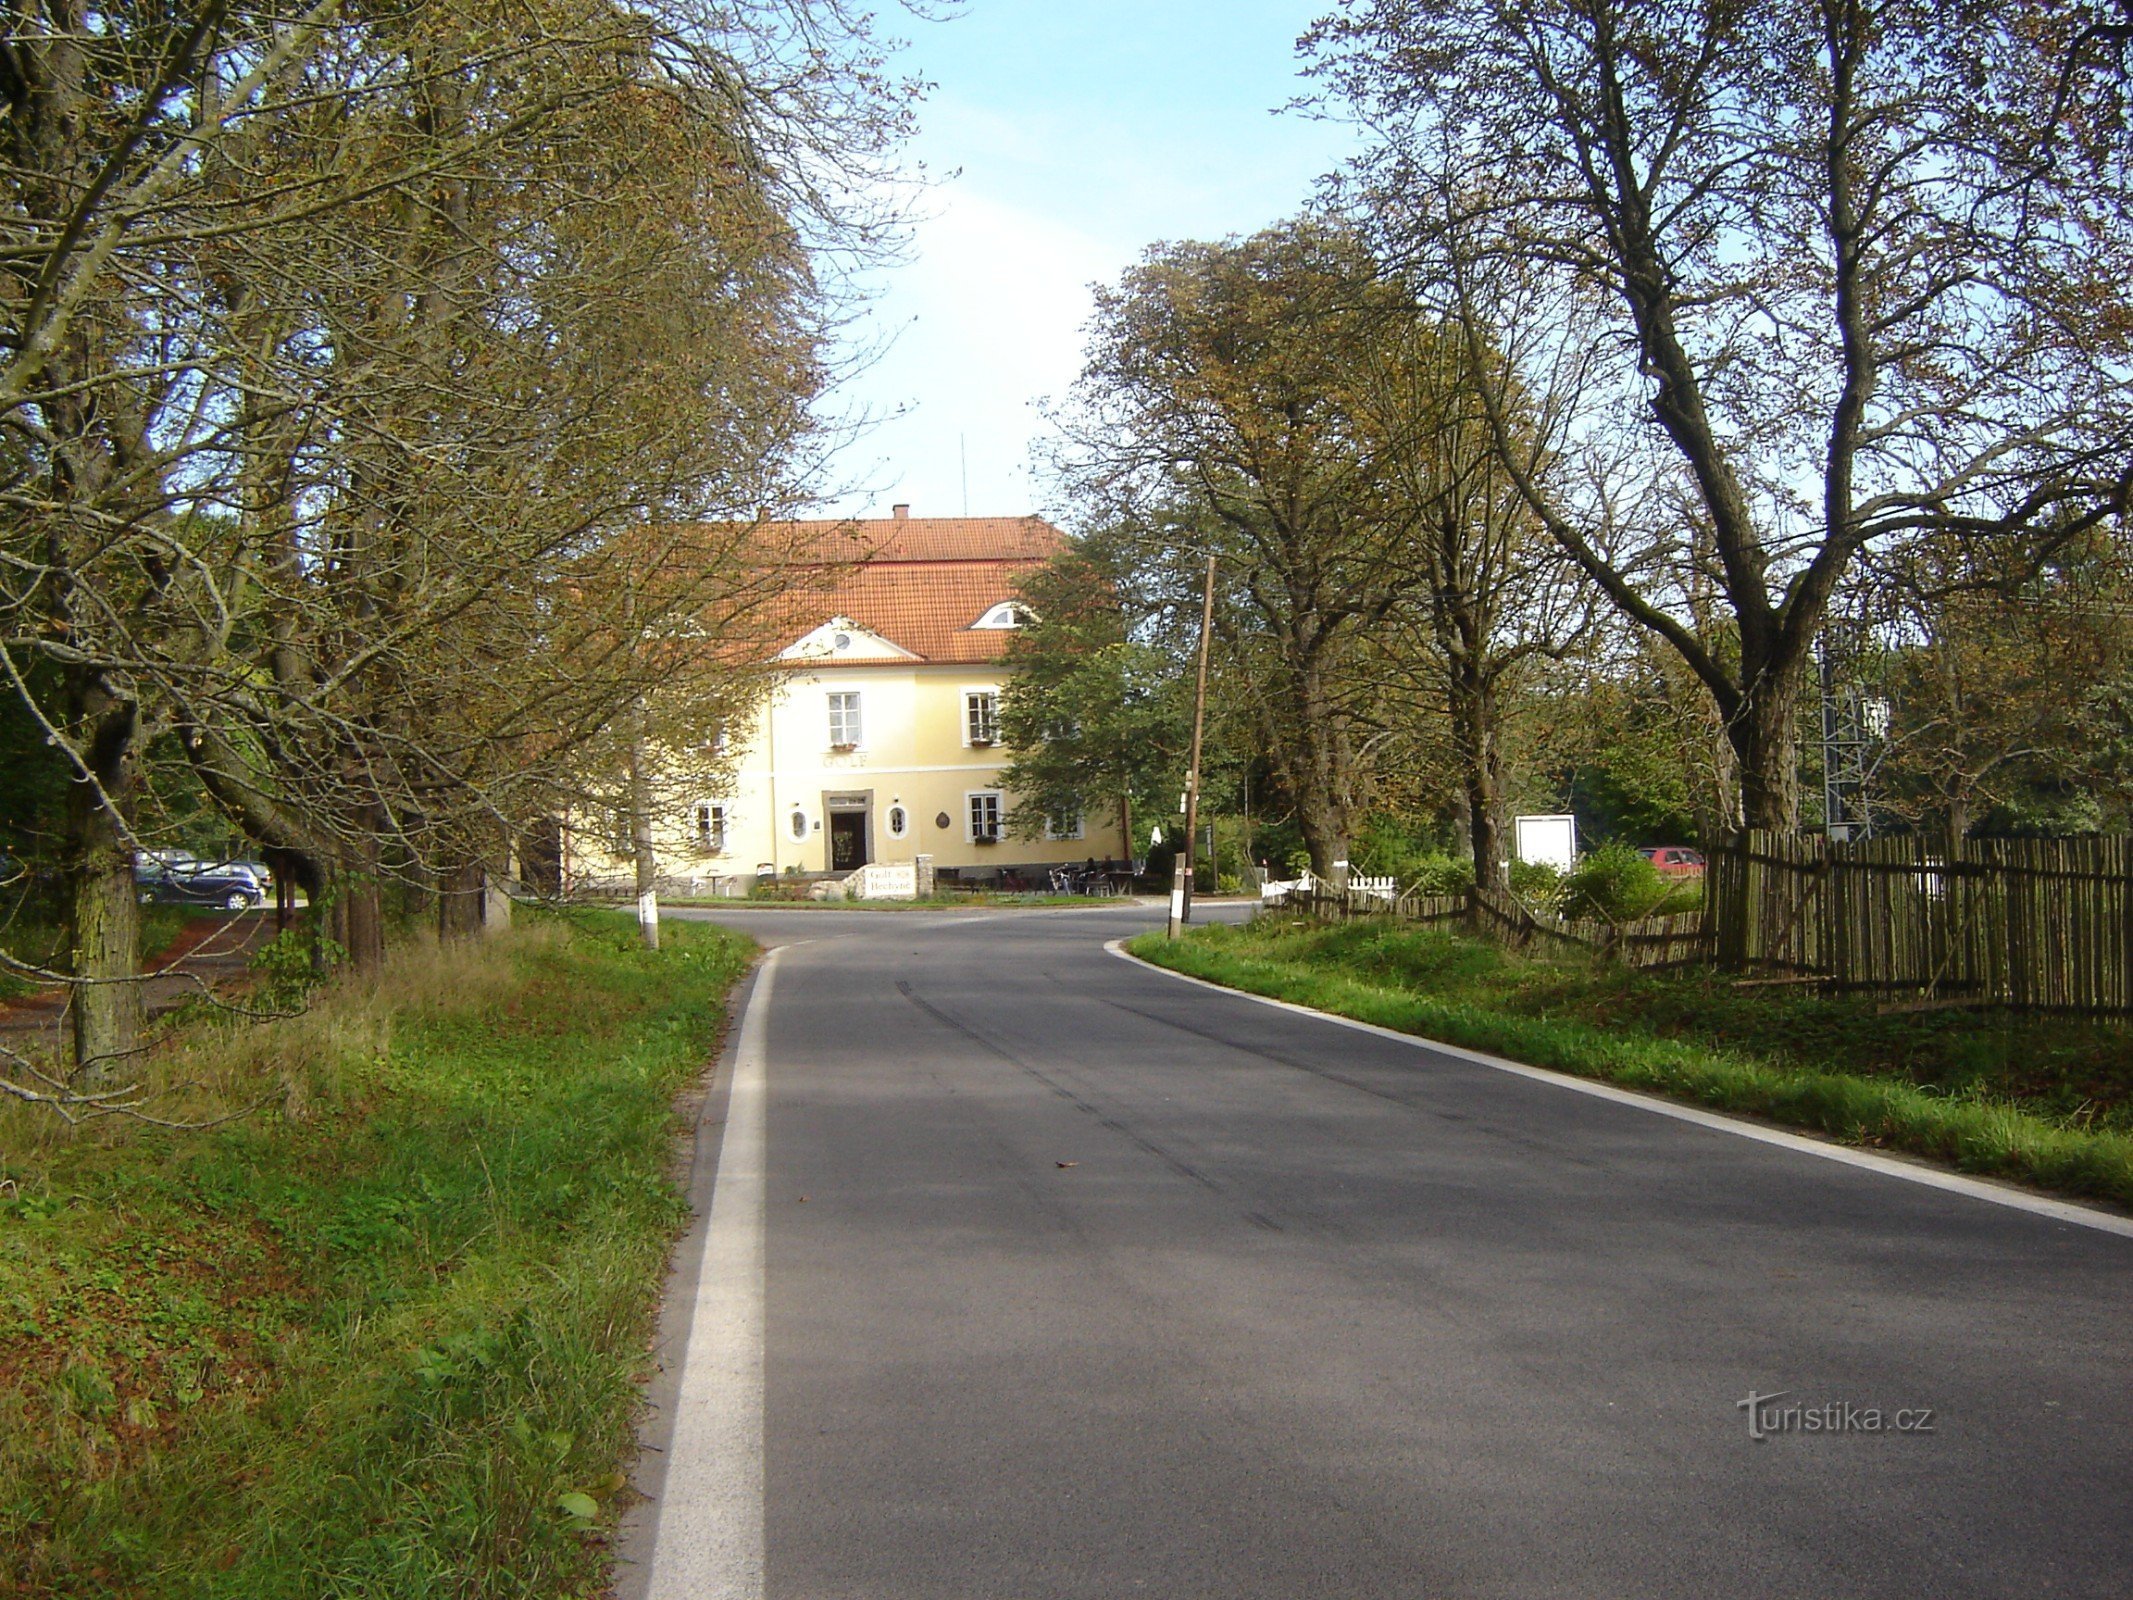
{"x":1034,"y":1273}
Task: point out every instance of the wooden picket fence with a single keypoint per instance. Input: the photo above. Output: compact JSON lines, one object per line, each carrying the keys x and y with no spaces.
{"x":2035,"y":924}
{"x":1662,"y":941}
{"x":2039,"y":924}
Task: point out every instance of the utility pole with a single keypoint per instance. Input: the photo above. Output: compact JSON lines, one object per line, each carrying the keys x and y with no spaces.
{"x":1181,"y":879}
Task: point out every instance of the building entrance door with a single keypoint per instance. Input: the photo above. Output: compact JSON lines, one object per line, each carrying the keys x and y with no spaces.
{"x":848,"y":834}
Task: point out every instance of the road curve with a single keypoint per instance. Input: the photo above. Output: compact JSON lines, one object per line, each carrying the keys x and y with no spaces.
{"x":1034,"y":1273}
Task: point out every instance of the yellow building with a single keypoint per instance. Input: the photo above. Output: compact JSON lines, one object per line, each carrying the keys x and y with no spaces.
{"x":879,"y":746}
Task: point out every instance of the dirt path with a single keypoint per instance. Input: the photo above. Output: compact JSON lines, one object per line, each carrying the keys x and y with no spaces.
{"x":212,"y":949}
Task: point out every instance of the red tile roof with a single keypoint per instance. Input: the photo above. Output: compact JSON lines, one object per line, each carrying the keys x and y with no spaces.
{"x":919,"y":582}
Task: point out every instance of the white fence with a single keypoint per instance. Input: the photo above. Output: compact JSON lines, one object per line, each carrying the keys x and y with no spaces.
{"x":1385,"y":889}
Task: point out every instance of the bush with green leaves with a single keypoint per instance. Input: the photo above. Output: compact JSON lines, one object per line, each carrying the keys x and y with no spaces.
{"x":1537,"y":884}
{"x":290,"y":965}
{"x":1413,"y":854}
{"x":1612,"y":884}
{"x":1437,"y":873}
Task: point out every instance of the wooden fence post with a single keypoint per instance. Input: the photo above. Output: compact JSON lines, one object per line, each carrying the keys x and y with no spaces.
{"x":1731,"y":904}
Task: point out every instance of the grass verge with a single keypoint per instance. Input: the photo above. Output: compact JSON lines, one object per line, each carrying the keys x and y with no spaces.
{"x":381,"y":1338}
{"x":2041,"y":1100}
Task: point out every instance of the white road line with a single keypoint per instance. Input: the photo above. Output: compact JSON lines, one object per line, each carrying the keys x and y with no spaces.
{"x":1931,"y":1178}
{"x":709,"y":1542}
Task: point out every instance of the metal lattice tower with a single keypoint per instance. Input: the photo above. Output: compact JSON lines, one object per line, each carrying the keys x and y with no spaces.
{"x":1854,"y":726}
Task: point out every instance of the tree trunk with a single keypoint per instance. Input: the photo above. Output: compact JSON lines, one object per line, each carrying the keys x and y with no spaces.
{"x":1320,"y":778}
{"x":1726,"y":816}
{"x":495,"y":897}
{"x":461,"y":893}
{"x":1762,"y":735}
{"x":641,"y":844}
{"x":358,"y":903}
{"x":103,"y":911}
{"x":1474,"y":730}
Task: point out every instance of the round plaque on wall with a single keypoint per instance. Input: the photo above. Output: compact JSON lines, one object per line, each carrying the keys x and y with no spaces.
{"x":941,"y":821}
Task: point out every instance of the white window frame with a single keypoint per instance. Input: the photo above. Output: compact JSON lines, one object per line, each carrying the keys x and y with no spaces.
{"x":1007,"y":614}
{"x":714,"y":827}
{"x":899,"y":820}
{"x":846,"y":726}
{"x":796,"y":824}
{"x":997,"y":829}
{"x":1080,"y":829}
{"x":987,"y":697}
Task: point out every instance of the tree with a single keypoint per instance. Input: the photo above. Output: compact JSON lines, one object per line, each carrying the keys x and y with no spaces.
{"x":1794,"y":277}
{"x":1494,"y":598}
{"x":331,"y":347}
{"x":1218,"y":412}
{"x":1988,"y":684}
{"x":1097,"y":714}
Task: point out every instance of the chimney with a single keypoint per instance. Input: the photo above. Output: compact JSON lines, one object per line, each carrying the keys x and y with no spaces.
{"x":901,"y":513}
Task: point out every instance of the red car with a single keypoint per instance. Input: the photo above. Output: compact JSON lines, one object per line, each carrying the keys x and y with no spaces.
{"x":1674,"y":860}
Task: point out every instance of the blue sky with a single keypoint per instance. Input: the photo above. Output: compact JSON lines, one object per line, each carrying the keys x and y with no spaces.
{"x":1081,"y":130}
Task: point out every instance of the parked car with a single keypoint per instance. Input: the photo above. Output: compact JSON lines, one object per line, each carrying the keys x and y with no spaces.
{"x":260,"y":872}
{"x":194,"y":883}
{"x":1674,"y":860}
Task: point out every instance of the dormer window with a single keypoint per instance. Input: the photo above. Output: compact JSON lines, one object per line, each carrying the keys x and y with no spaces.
{"x":1007,"y":614}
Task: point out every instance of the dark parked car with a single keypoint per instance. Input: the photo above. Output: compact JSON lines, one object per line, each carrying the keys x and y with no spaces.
{"x":232,"y":886}
{"x":261,"y":873}
{"x":1674,"y":860}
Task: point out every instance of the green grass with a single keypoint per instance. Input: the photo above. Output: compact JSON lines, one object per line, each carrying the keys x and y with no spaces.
{"x":382,"y":1338}
{"x":2047,"y":1101}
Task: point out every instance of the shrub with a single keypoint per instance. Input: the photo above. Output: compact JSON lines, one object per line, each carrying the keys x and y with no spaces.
{"x":288,"y":969}
{"x":1614,"y":884}
{"x":1438,"y":873}
{"x":1537,"y":884}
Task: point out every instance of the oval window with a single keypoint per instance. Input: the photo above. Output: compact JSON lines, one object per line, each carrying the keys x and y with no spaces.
{"x":799,"y":824}
{"x":898,"y":822}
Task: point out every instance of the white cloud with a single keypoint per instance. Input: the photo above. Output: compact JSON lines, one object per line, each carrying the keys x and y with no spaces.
{"x":1064,"y":143}
{"x":987,"y":318}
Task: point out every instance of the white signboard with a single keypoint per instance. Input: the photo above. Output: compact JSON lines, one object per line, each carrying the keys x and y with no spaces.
{"x":1550,"y":839}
